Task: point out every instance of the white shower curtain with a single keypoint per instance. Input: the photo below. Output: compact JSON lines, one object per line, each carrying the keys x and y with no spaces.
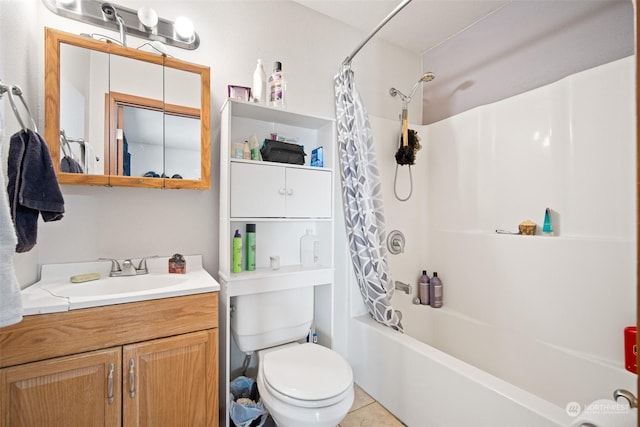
{"x":362,"y":201}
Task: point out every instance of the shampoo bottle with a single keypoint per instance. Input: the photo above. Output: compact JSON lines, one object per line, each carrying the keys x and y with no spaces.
{"x":309,"y":249}
{"x":276,"y":86}
{"x":435,"y":299}
{"x":259,"y":88}
{"x":251,"y":247}
{"x":237,"y":252}
{"x":547,"y":228}
{"x":423,"y":288}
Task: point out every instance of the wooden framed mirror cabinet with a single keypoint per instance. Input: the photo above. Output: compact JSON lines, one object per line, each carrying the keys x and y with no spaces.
{"x":119,"y":116}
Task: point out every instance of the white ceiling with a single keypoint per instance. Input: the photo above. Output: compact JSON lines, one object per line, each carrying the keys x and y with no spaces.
{"x":421,"y":25}
{"x":493,"y":49}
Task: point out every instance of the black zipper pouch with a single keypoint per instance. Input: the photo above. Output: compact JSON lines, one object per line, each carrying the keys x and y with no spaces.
{"x":282,"y":152}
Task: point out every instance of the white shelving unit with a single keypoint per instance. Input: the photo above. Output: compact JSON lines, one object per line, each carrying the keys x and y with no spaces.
{"x":283,"y":201}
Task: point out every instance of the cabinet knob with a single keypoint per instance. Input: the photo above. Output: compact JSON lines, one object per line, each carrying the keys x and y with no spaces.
{"x":282,"y":191}
{"x":289,"y":191}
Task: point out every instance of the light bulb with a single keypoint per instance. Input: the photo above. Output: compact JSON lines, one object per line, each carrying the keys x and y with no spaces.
{"x":148,"y":17}
{"x":184,"y":28}
{"x":67,"y":4}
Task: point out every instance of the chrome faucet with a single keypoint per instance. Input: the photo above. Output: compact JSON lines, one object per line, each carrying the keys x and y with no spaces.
{"x":142,"y":265}
{"x":633,"y":402}
{"x":127,"y":268}
{"x":404,"y":287}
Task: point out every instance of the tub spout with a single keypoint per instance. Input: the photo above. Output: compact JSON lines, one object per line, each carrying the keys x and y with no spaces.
{"x":633,"y":401}
{"x":404,"y":287}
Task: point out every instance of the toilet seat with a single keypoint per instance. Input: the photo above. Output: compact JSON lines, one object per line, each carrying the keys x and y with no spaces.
{"x":306,"y":375}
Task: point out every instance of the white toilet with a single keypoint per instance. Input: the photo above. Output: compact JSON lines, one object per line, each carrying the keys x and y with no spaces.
{"x":301,"y":385}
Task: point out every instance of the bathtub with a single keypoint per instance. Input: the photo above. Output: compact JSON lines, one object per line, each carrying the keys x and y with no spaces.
{"x":425,"y":387}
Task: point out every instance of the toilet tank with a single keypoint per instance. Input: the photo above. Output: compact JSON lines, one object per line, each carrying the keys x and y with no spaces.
{"x":271,"y":318}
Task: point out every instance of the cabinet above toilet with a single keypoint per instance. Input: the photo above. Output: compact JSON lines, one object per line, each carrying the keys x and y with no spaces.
{"x":283,"y":201}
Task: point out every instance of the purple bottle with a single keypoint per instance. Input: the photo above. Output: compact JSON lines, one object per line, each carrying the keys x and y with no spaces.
{"x":423,"y":288}
{"x":435,"y":297}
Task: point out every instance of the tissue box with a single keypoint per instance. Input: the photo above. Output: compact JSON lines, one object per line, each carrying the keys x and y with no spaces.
{"x":242,"y":93}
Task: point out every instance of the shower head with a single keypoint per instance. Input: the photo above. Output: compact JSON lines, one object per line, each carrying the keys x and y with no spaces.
{"x":427,"y":77}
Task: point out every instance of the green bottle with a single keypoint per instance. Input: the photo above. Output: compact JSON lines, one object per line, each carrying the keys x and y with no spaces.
{"x":237,"y":252}
{"x":251,"y":247}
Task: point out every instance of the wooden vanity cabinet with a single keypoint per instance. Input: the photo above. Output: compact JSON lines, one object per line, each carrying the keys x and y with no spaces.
{"x":173,"y":381}
{"x":66,"y":391}
{"x":147,"y":374}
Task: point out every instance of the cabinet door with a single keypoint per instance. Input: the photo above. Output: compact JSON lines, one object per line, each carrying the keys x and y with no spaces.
{"x":308,"y":193}
{"x":257,"y":191}
{"x":172,"y":381}
{"x":81,"y":390}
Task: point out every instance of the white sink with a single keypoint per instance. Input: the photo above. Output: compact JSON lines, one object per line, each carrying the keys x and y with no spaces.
{"x":116,"y":285}
{"x":54,"y":292}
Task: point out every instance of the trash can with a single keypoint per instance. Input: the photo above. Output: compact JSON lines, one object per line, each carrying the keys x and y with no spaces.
{"x":245,"y":407}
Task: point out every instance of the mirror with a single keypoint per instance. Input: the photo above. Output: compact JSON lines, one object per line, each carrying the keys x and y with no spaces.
{"x":117,"y":116}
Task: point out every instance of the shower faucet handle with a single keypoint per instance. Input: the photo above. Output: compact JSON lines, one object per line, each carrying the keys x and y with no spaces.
{"x":395,"y":242}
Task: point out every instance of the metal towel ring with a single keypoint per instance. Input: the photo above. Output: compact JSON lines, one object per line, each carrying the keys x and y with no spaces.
{"x":15,"y":90}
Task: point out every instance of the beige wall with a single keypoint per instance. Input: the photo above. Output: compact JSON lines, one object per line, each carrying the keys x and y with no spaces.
{"x":131,"y":222}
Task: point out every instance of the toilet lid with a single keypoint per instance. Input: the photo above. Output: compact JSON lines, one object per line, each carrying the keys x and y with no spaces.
{"x":307,"y":372}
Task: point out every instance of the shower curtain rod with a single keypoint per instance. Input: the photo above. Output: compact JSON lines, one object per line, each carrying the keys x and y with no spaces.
{"x":393,"y":13}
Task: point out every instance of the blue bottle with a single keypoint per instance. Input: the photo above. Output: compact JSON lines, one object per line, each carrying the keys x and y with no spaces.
{"x":547,"y":228}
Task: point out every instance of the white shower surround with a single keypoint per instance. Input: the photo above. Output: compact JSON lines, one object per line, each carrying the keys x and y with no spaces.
{"x":543,"y":314}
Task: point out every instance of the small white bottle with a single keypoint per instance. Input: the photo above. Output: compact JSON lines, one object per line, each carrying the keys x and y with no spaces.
{"x":277,"y":86}
{"x":309,"y":249}
{"x":259,"y":88}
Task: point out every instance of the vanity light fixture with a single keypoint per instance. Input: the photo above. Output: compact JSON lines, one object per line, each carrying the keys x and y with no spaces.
{"x":143,"y":23}
{"x":184,"y":28}
{"x":148,"y":17}
{"x":69,"y":5}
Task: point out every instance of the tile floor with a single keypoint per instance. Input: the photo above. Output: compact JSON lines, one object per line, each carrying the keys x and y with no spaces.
{"x":365,"y":412}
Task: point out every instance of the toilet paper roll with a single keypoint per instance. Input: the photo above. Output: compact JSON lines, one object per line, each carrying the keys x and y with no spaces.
{"x":607,"y":413}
